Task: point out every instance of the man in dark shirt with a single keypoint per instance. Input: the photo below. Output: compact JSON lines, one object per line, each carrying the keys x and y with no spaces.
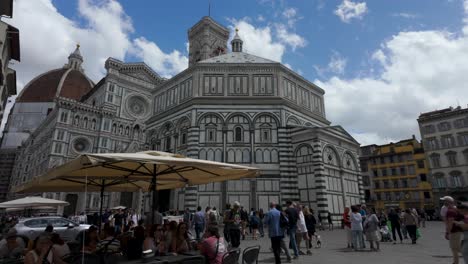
{"x":395,"y":222}
{"x":118,"y":221}
{"x":293,"y":215}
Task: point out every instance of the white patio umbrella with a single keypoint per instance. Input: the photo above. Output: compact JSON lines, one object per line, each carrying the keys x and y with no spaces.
{"x":118,"y":207}
{"x":35,"y":208}
{"x":147,"y":171}
{"x":32,"y":202}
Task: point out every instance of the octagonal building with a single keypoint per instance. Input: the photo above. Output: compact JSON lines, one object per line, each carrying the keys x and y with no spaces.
{"x":228,"y":106}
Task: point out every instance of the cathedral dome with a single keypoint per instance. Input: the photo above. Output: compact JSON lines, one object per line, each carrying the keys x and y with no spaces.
{"x":69,"y":81}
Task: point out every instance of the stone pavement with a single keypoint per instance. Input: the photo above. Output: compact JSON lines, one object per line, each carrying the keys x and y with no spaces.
{"x":432,"y":248}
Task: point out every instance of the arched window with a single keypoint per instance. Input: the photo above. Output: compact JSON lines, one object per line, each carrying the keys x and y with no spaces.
{"x":457,"y":180}
{"x":238,"y":134}
{"x":85,"y":122}
{"x":127,"y":131}
{"x":93,"y":124}
{"x":120,"y":129}
{"x":76,"y":121}
{"x":168,"y":144}
{"x":114,"y":128}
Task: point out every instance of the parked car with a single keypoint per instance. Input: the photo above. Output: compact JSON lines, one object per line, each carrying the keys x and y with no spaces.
{"x":32,"y":227}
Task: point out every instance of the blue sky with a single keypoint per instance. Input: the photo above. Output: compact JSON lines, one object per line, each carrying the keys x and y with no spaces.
{"x":381,"y":63}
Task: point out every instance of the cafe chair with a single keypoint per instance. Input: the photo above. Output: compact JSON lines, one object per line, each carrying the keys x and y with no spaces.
{"x":250,"y":255}
{"x":231,"y":257}
{"x":193,"y":260}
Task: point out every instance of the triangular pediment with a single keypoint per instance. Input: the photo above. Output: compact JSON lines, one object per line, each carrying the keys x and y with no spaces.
{"x":138,"y":70}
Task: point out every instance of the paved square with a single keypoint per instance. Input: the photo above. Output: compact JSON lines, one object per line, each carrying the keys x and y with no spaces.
{"x":431,"y":248}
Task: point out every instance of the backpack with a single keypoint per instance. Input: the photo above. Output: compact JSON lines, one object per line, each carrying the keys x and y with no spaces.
{"x":284,"y":222}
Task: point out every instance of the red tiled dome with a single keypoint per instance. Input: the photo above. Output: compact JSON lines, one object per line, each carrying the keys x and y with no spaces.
{"x":70,"y":82}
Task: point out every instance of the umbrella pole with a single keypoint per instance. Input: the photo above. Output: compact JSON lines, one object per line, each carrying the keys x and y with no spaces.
{"x":100,"y":206}
{"x":155,"y":195}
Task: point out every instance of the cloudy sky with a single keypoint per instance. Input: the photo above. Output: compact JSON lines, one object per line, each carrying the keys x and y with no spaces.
{"x":380,"y":63}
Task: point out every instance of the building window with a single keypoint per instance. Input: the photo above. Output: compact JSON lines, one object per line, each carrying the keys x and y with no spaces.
{"x":110,"y":98}
{"x":427,"y":195}
{"x":463,"y":139}
{"x":435,"y":160}
{"x":395,"y":184}
{"x":76,"y":121}
{"x":457,"y":180}
{"x":444,"y":126}
{"x":168,"y":144}
{"x":104,"y":142}
{"x":238,"y":134}
{"x":402,"y":171}
{"x":85,"y":122}
{"x":465,"y":154}
{"x":60,"y":135}
{"x":384,"y":172}
{"x":452,"y":158}
{"x":111,"y":87}
{"x":394,"y":171}
{"x":432,"y":143}
{"x":106,"y":125}
{"x":93,"y":124}
{"x":114,"y":128}
{"x":447,"y":142}
{"x":375,"y":173}
{"x":429,"y":129}
{"x":385,"y":184}
{"x":64,"y":117}
{"x":440,"y":181}
{"x":404,"y":183}
{"x":411,"y":170}
{"x":183,"y":139}
{"x":211,"y":135}
{"x":423,"y":177}
{"x":58,"y":148}
{"x":420,"y":164}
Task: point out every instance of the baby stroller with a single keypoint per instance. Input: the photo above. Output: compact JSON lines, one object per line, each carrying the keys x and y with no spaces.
{"x":385,"y":234}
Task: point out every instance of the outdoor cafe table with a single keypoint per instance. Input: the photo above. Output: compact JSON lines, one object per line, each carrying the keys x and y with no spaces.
{"x":170,"y":259}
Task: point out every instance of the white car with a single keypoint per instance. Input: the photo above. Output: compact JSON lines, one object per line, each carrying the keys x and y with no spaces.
{"x":33,"y":227}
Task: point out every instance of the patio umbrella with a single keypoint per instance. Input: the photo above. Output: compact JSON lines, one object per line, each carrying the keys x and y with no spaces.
{"x":119,"y":207}
{"x":32,"y":202}
{"x":148,"y":171}
{"x":35,"y":208}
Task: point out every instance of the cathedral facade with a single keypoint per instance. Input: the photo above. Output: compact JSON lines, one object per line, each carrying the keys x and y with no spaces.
{"x":227,"y":106}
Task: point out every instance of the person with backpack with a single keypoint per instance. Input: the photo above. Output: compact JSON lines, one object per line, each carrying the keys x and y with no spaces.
{"x":233,"y":221}
{"x":275,"y":230}
{"x":254,"y":224}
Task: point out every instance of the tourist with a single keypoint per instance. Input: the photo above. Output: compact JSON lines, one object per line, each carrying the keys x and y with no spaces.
{"x":422,"y":217}
{"x":347,"y":226}
{"x":13,"y":247}
{"x":411,"y":223}
{"x":59,"y":247}
{"x":233,"y":221}
{"x":180,"y":243}
{"x":284,"y":228}
{"x":302,"y":232}
{"x":199,"y":222}
{"x":463,"y":209}
{"x":215,"y":215}
{"x":453,"y":232}
{"x":207,"y":216}
{"x":254,"y":224}
{"x":310,"y":225}
{"x":170,"y":235}
{"x":371,"y":228}
{"x":293,"y":216}
{"x":356,"y":228}
{"x":330,"y":221}
{"x":226,"y":224}
{"x":213,"y":246}
{"x":404,"y":231}
{"x":150,"y":242}
{"x":275,"y":231}
{"x":42,"y":252}
{"x":244,"y":221}
{"x":188,"y":217}
{"x":118,"y":221}
{"x":395,"y":221}
{"x":110,"y":244}
{"x":261,"y":215}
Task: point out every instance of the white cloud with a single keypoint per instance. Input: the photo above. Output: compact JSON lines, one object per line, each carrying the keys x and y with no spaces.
{"x":260,"y":18}
{"x":258,"y":40}
{"x":47,"y":38}
{"x":421,"y":71}
{"x":336,"y":65}
{"x":291,"y":16}
{"x":289,"y":38}
{"x":405,"y":15}
{"x":349,"y":10}
{"x":166,"y":65}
